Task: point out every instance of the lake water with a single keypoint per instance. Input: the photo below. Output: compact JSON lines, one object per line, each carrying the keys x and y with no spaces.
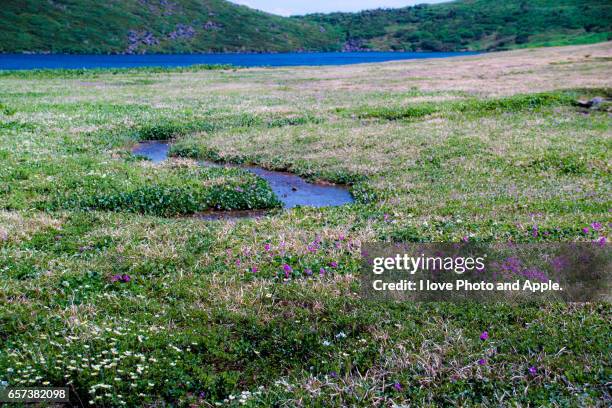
{"x":25,"y":61}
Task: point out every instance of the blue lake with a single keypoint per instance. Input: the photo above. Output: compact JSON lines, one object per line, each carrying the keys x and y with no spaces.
{"x":28,"y":61}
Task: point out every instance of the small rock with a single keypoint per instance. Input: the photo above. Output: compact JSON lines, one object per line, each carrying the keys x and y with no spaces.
{"x":595,"y":102}
{"x":583,"y":104}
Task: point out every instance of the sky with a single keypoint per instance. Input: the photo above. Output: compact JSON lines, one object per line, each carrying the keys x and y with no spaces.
{"x":293,"y":7}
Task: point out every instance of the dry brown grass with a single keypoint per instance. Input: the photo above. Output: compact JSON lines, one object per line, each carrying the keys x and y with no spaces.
{"x":16,"y":227}
{"x":500,"y":73}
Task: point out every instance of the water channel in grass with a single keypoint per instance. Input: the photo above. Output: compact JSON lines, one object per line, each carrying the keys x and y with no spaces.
{"x":291,"y":190}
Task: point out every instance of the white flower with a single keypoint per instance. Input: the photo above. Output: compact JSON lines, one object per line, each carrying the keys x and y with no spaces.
{"x":326,"y":343}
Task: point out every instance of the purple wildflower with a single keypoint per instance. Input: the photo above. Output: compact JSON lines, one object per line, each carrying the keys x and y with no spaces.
{"x":309,"y":272}
{"x":288,"y":269}
{"x":602,"y":241}
{"x":254,"y":269}
{"x":322,"y":271}
{"x":397,"y":386}
{"x":237,"y":262}
{"x":267,"y":247}
{"x":333,"y":374}
{"x":484,"y":335}
{"x":596,"y":226}
{"x":532,"y":370}
{"x":341,"y":238}
{"x":333,"y":264}
{"x":120,"y":278}
{"x":465,"y":238}
{"x":534,"y":231}
{"x":586,"y":230}
{"x":482,"y":362}
{"x":559,"y":263}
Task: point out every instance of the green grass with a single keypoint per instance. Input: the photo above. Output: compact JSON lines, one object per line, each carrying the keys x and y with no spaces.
{"x":209,"y":314}
{"x":478,"y":107}
{"x":95,"y":72}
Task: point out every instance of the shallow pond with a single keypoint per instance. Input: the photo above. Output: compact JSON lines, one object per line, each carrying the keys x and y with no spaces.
{"x":292,"y":190}
{"x":154,"y":150}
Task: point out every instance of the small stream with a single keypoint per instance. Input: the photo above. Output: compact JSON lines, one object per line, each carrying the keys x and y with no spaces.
{"x":292,"y":190}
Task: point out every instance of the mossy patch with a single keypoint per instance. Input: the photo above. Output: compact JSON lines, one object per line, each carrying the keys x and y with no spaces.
{"x":510,"y":104}
{"x":170,"y":192}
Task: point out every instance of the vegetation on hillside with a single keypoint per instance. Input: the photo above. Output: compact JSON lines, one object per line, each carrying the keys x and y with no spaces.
{"x":475,"y":25}
{"x":152,"y":26}
{"x":190,"y":26}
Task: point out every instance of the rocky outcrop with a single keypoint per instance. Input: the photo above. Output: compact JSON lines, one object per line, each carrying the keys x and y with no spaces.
{"x":137,"y":38}
{"x":353,"y":45}
{"x":182,"y":32}
{"x":211,"y":26}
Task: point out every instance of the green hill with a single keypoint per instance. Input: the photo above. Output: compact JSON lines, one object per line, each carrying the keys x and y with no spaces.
{"x":474,"y":25}
{"x":153,"y":26}
{"x":189,"y":26}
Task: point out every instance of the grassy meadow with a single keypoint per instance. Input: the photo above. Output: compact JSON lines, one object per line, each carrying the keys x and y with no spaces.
{"x":110,"y":285}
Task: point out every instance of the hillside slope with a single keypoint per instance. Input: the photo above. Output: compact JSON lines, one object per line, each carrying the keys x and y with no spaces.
{"x":163,"y":26}
{"x":190,"y":26}
{"x":474,"y":25}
